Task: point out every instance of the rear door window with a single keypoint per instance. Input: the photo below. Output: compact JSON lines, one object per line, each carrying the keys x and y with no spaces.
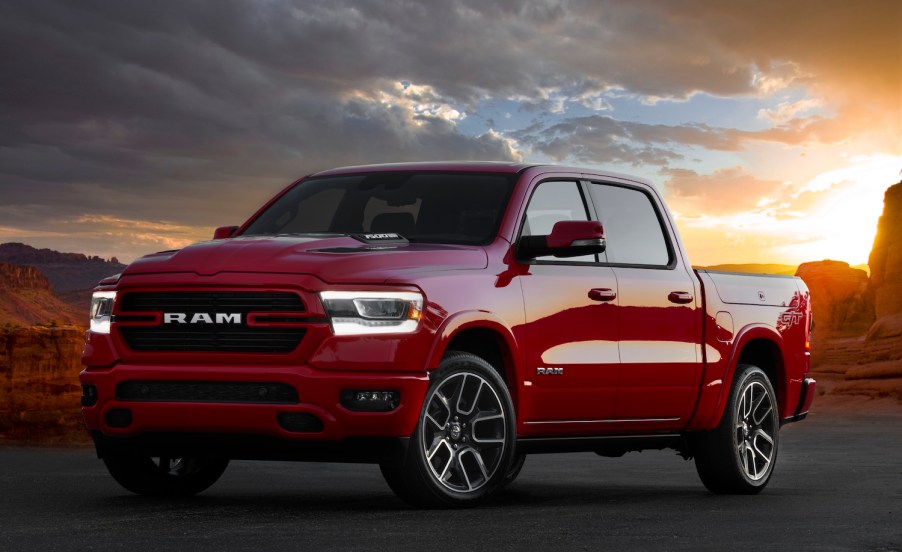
{"x":632,"y":225}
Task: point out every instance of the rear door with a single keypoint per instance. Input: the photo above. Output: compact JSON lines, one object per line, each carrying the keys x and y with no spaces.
{"x":659,"y":316}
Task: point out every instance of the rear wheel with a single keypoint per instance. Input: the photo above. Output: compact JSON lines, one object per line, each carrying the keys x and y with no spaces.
{"x":738,"y":456}
{"x":164,"y":476}
{"x":461,"y":452}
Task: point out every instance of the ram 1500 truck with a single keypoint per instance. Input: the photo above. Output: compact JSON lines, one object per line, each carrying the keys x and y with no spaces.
{"x":444,"y":321}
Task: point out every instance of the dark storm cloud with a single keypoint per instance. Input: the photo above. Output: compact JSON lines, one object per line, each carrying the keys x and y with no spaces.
{"x":195,"y":111}
{"x":599,"y":139}
{"x":145,"y":110}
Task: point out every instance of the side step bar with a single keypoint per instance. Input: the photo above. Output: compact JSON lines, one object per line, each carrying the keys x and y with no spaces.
{"x":615,"y":445}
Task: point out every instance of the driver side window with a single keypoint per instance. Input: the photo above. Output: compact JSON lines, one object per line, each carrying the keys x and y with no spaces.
{"x":554,"y":201}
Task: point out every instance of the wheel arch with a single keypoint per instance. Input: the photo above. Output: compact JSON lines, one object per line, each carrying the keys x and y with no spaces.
{"x":761,"y":346}
{"x":484,"y":335}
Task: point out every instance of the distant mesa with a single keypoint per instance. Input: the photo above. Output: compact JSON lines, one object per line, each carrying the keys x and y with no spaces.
{"x":71,"y":275}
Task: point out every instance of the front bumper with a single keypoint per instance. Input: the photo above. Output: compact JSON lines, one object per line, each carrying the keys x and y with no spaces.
{"x":242,"y":427}
{"x":390,"y":451}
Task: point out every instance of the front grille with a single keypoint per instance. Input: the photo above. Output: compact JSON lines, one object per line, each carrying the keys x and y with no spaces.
{"x":207,"y":391}
{"x":274,"y":334}
{"x":212,"y":338}
{"x":212,"y":301}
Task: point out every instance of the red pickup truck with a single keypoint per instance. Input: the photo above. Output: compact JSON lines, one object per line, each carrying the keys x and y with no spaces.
{"x":444,"y":321}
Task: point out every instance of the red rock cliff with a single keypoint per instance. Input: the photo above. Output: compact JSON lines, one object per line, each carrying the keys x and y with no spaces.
{"x":25,"y":277}
{"x":26,"y":297}
{"x":886,"y":256}
{"x":884,"y":339}
{"x":39,"y":388}
{"x":840,"y":298}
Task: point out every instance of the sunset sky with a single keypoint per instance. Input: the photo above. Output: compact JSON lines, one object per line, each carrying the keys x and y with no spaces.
{"x":772,"y":128}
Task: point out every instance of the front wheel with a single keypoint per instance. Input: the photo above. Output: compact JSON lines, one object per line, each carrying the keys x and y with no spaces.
{"x":738,"y":456}
{"x":162,"y":476}
{"x":514,"y":470}
{"x":462,"y":449}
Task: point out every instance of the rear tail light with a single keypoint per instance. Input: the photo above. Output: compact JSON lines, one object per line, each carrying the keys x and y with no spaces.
{"x":808,"y":336}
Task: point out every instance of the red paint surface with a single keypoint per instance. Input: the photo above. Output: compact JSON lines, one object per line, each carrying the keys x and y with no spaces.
{"x":638,"y":363}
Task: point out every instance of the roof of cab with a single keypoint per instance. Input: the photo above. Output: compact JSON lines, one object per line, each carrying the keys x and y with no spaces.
{"x":500,"y":167}
{"x":439,"y":166}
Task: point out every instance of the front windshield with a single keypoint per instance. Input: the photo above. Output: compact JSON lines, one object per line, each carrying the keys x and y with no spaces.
{"x":460,"y":207}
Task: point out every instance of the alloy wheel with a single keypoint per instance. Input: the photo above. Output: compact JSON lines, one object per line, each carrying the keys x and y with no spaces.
{"x":754,"y":430}
{"x":463,"y":432}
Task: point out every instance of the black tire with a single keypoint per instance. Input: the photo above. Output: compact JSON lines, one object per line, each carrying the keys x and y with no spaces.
{"x":153,"y":476}
{"x":514,"y":470}
{"x":463,"y":447}
{"x":738,"y":456}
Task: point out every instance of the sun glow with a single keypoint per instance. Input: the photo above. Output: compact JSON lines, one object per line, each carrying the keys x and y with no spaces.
{"x":843,"y":223}
{"x":830,"y":216}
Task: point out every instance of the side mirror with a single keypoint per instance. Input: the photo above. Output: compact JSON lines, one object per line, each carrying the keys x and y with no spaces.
{"x":568,"y":238}
{"x":224,"y":232}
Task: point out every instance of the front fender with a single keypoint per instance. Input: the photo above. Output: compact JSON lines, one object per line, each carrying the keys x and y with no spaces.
{"x":464,"y":320}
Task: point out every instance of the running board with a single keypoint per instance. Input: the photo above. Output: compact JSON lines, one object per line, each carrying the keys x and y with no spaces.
{"x":615,"y":445}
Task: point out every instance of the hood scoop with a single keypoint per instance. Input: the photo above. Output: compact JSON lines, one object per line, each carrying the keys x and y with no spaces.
{"x":384,"y":238}
{"x":373,"y":242}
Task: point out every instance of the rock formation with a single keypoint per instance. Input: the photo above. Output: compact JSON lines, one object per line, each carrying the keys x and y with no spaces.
{"x":884,"y":339}
{"x":841,"y":300}
{"x":843,"y":310}
{"x":886,"y":256}
{"x":26,"y":297}
{"x":849,"y":358}
{"x":39,"y":388}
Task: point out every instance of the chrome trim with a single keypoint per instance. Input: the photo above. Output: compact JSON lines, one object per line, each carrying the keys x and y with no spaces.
{"x":632,"y":420}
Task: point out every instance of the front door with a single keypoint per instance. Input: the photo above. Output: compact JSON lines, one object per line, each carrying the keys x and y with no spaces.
{"x":572,"y":357}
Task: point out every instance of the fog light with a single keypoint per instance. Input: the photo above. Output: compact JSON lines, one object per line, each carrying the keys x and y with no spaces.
{"x":370,"y":400}
{"x":88,"y":395}
{"x":119,"y":417}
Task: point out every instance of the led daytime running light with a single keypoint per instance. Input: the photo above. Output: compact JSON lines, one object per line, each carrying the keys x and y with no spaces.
{"x":373,"y":312}
{"x":102,"y":311}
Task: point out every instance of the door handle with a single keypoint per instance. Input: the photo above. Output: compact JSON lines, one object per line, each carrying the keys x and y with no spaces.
{"x":602,"y":294}
{"x":680,"y":297}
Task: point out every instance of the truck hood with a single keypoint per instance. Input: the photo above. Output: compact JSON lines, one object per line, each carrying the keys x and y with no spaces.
{"x":334,"y":259}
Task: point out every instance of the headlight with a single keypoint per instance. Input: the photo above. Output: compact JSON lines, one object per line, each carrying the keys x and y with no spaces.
{"x":373,"y":312}
{"x":102,"y":311}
